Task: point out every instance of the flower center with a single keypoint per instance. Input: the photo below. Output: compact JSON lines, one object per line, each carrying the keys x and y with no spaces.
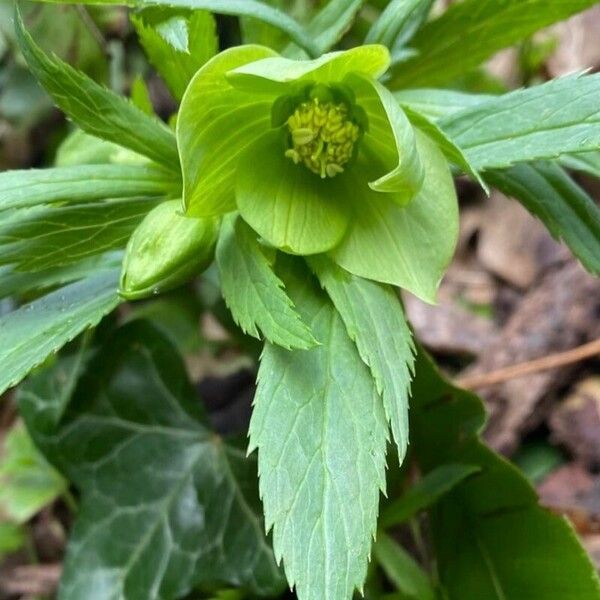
{"x":322,"y":137}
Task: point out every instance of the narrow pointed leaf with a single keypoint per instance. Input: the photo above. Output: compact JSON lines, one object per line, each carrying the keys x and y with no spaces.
{"x":374,"y":320}
{"x":320,"y":430}
{"x":585,"y":162}
{"x":565,"y":208}
{"x":79,"y":184}
{"x":255,"y":296}
{"x":33,"y":332}
{"x":398,"y":22}
{"x":436,"y":103}
{"x":542,"y":122}
{"x":97,"y":110}
{"x":471,"y":31}
{"x":45,"y":237}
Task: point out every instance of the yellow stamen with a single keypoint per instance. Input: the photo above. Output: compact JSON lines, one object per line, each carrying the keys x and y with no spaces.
{"x":322,"y":137}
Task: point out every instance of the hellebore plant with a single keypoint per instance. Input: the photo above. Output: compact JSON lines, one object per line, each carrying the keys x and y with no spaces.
{"x":303,"y":186}
{"x":319,"y":158}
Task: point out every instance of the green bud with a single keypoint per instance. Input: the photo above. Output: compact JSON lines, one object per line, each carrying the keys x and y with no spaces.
{"x":166,"y":250}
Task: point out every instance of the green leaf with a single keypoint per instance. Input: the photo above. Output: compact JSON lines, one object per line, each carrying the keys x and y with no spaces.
{"x":389,"y":139}
{"x":542,"y":122}
{"x":79,"y":184}
{"x":471,"y":31}
{"x":239,"y":8}
{"x":407,"y":246}
{"x":45,"y":237}
{"x":288,"y":206}
{"x":446,"y":144}
{"x":166,"y":504}
{"x":586,"y":162}
{"x":402,"y":569}
{"x":177,"y":63}
{"x":320,"y":429}
{"x":329,"y":25}
{"x":437,"y":104}
{"x":425,"y":493}
{"x":209,"y":134}
{"x":27,"y":481}
{"x":491,"y":538}
{"x":255,"y":296}
{"x":97,"y":110}
{"x":80,"y":148}
{"x":33,"y":332}
{"x":565,"y":208}
{"x":140,"y":95}
{"x":12,"y":538}
{"x":375,"y":321}
{"x":15,"y":282}
{"x":398,"y":22}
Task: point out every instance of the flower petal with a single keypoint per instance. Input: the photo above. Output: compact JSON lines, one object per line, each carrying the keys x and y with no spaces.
{"x":290,"y":207}
{"x":390,"y":139}
{"x":216,"y":123}
{"x":407,"y":246}
{"x":273,"y":74}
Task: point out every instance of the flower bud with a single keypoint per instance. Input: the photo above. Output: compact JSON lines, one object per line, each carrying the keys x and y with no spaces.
{"x":166,"y":250}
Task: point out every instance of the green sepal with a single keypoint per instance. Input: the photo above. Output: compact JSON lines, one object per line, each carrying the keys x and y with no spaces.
{"x":166,"y":250}
{"x":290,"y":207}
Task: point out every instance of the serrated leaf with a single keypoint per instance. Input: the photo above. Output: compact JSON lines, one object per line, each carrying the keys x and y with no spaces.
{"x":425,"y":493}
{"x":542,"y":122}
{"x":492,"y":540}
{"x":239,"y":8}
{"x":254,"y":294}
{"x":320,"y":430}
{"x":398,"y":22}
{"x":166,"y":504}
{"x":565,"y":208}
{"x":374,"y":320}
{"x":27,"y":481}
{"x":44,"y":237}
{"x":437,"y":104}
{"x":471,"y":31}
{"x":15,"y":282}
{"x":22,"y":188}
{"x":97,"y":110}
{"x":177,"y":63}
{"x":33,"y":332}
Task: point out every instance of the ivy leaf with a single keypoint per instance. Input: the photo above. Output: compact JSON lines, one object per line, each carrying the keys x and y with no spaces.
{"x":45,"y":237}
{"x":33,"y":332}
{"x":166,"y":505}
{"x":27,"y":481}
{"x":177,"y":60}
{"x":95,"y":109}
{"x":565,"y":208}
{"x":471,"y":31}
{"x":375,"y":321}
{"x":22,"y":188}
{"x":542,"y":122}
{"x":321,"y":431}
{"x":492,"y":540}
{"x":254,"y":294}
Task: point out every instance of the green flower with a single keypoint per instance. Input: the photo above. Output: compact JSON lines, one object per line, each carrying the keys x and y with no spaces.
{"x":318,"y":157}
